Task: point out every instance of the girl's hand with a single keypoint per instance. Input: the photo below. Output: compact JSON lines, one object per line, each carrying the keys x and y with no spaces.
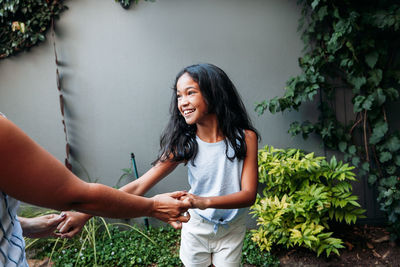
{"x":42,"y":226}
{"x":72,"y":224}
{"x":197,"y":201}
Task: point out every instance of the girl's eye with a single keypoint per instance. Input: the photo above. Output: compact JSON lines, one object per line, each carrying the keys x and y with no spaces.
{"x":191,"y":92}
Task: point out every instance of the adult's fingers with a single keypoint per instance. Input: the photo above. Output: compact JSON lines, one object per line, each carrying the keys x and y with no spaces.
{"x":177,"y":194}
{"x":176,"y":224}
{"x":184,"y":217}
{"x":55,"y":219}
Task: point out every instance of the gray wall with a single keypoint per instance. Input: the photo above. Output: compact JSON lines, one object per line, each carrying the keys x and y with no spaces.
{"x":118,"y":67}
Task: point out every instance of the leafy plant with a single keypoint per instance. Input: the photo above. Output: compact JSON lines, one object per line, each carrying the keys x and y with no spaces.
{"x":128,"y":246}
{"x":102,"y":244}
{"x":25,"y":23}
{"x":302,"y":195}
{"x":352,"y":47}
{"x":252,"y":254}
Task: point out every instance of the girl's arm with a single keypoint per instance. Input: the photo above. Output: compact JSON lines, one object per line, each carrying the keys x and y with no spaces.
{"x":140,"y":186}
{"x":30,"y":174}
{"x":247,"y":195}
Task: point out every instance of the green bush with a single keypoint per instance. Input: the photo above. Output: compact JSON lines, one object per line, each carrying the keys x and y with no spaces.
{"x":302,"y":195}
{"x":252,"y":254}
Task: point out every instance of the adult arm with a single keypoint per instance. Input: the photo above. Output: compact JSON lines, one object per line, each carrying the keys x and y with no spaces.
{"x":247,"y":195}
{"x":31,"y":174}
{"x":75,"y":220}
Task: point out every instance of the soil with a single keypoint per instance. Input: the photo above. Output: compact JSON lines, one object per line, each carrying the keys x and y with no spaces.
{"x":365,"y":246}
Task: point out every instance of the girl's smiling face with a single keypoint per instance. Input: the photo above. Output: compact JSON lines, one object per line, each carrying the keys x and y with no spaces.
{"x":191,"y":103}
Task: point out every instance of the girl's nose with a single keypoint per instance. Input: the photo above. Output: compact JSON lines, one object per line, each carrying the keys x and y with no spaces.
{"x":184,"y":100}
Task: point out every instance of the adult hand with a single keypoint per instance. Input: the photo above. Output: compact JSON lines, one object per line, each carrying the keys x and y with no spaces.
{"x":72,"y":225}
{"x":169,"y":209}
{"x":41,"y":226}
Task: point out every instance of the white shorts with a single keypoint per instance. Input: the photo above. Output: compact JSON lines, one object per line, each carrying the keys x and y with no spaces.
{"x":201,"y":246}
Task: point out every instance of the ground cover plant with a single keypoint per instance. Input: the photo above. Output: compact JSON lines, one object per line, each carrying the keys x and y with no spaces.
{"x":302,"y":196}
{"x":119,"y":244}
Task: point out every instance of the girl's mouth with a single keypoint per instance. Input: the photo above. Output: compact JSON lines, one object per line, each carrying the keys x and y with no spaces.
{"x":188,"y":111}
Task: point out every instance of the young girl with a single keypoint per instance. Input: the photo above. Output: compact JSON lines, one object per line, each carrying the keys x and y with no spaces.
{"x":210,"y":132}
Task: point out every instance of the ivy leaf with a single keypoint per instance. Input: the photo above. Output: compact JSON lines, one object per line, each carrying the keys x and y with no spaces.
{"x":314,"y":4}
{"x":342,"y":146}
{"x":393,"y":144}
{"x":365,"y":166}
{"x":392,"y":93}
{"x":322,"y":12}
{"x":391,"y":169}
{"x":385,"y":156}
{"x":379,"y":97}
{"x":352,"y":150}
{"x":367,"y":104}
{"x":375,"y":76}
{"x":397,"y":160}
{"x":358,"y":102}
{"x":355,"y":161}
{"x":357,"y":82}
{"x":372,"y":178}
{"x":371,"y":59}
{"x":378,"y":131}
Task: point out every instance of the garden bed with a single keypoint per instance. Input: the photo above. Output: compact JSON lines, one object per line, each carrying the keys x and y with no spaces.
{"x":365,"y":246}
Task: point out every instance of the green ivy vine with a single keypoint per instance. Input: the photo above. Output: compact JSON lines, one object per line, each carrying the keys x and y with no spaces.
{"x":352,"y":46}
{"x":24,"y":23}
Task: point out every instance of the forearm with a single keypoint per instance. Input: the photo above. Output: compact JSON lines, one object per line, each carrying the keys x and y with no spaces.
{"x":103,"y":201}
{"x":24,"y":225}
{"x":150,"y":178}
{"x":232,"y":201}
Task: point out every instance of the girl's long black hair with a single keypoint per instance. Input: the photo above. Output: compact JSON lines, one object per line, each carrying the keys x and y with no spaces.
{"x":178,"y":140}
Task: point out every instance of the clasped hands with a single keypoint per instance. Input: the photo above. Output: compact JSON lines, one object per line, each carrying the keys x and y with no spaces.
{"x":182,"y":201}
{"x":168,"y":207}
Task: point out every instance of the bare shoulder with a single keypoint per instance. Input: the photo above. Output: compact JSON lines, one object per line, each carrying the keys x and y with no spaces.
{"x":5,"y":126}
{"x":251,"y":136}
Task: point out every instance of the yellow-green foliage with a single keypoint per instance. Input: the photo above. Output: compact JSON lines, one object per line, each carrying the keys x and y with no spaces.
{"x":302,"y":194}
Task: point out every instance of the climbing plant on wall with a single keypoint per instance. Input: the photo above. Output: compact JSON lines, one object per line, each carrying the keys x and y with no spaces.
{"x":352,"y":46}
{"x":24,"y":23}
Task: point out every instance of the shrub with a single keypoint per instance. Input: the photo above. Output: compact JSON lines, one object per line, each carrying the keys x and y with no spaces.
{"x":302,"y":195}
{"x":252,"y":254}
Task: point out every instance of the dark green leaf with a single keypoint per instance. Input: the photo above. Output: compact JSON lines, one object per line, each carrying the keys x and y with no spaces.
{"x":375,"y":76}
{"x":371,"y":59}
{"x":393,"y":144}
{"x":372,"y":178}
{"x":355,"y":161}
{"x":378,"y":131}
{"x":342,"y":146}
{"x":357,"y":82}
{"x":352,"y":149}
{"x":385,"y":156}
